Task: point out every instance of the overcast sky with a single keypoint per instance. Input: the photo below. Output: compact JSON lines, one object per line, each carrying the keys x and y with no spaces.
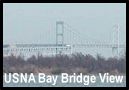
{"x":35,"y":23}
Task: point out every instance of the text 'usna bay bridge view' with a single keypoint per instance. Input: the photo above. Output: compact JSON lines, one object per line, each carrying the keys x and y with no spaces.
{"x":50,"y":29}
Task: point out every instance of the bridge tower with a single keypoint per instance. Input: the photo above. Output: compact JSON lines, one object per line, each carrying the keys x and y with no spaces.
{"x":115,"y":48}
{"x":59,"y":36}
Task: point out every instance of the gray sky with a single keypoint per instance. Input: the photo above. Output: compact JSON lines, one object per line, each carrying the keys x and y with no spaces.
{"x":35,"y":23}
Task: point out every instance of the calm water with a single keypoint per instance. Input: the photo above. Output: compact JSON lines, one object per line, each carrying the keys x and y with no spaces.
{"x":59,"y":84}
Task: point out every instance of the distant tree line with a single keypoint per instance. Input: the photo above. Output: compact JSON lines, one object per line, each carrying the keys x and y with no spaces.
{"x":75,"y":63}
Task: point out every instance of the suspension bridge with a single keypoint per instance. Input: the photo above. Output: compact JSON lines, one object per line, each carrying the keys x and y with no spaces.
{"x":60,"y":46}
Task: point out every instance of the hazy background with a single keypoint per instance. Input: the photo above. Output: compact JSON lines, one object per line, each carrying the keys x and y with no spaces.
{"x":35,"y":23}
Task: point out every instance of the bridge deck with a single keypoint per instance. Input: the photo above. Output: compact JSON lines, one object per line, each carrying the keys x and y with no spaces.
{"x":64,"y":45}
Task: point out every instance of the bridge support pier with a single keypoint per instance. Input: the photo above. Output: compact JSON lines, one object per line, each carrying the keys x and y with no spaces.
{"x":59,"y":36}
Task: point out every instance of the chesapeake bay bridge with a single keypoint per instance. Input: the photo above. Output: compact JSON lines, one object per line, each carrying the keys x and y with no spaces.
{"x":61,"y":47}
